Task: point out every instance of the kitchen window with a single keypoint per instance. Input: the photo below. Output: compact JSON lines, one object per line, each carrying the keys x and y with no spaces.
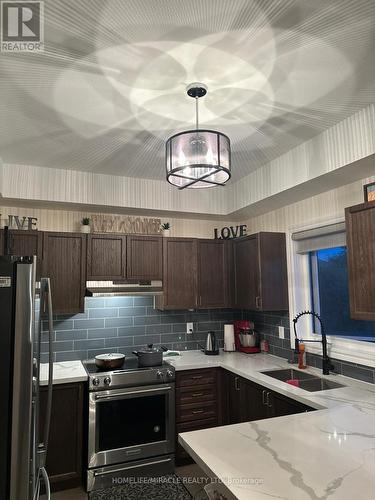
{"x":330,"y":295}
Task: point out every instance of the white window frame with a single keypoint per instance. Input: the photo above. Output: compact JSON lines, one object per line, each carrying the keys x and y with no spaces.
{"x":354,"y":351}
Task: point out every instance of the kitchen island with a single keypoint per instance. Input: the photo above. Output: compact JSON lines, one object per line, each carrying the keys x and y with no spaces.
{"x":325,"y":454}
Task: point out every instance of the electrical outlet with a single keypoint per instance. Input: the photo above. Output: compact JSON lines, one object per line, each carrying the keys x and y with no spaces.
{"x":189,"y":327}
{"x":281,"y":332}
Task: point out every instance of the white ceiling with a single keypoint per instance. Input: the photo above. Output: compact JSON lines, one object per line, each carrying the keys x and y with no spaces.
{"x":110,"y":85}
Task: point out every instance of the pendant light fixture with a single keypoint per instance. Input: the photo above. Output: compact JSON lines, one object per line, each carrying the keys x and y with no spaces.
{"x":198,"y":158}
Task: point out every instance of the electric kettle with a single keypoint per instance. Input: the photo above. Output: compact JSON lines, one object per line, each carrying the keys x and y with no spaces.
{"x":212,"y":347}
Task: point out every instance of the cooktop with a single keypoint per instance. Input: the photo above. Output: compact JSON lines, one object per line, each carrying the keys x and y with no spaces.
{"x":129,"y":375}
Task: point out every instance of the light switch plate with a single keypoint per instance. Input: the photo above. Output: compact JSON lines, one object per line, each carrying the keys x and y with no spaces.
{"x":281,"y":332}
{"x":189,"y":327}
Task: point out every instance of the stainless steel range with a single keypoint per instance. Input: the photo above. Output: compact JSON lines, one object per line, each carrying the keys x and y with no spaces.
{"x":131,"y":423}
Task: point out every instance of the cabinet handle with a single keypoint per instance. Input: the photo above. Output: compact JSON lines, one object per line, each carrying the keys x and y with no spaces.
{"x":264,"y":397}
{"x":258,"y":302}
{"x":197,"y":411}
{"x":196,"y":377}
{"x":268,"y":400}
{"x":197,"y":394}
{"x":236,"y":383}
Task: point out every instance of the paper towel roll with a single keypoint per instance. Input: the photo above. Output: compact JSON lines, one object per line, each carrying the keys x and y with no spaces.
{"x":229,"y":344}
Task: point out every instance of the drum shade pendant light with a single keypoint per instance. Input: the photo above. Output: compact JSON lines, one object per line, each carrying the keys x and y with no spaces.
{"x":198,"y":158}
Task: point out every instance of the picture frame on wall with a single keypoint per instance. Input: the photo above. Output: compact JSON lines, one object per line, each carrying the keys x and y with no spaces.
{"x":369,"y":191}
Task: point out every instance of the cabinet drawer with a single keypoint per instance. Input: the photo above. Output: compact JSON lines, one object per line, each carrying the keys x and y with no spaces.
{"x":196,"y":411}
{"x":192,"y":378}
{"x":198,"y":394}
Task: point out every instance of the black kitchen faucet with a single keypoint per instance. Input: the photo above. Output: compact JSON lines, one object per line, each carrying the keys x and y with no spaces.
{"x":327,"y":364}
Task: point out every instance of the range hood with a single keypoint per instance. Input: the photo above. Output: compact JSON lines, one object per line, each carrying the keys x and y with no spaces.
{"x":123,"y":289}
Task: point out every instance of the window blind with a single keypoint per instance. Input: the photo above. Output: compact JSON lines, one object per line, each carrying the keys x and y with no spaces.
{"x":330,"y":236}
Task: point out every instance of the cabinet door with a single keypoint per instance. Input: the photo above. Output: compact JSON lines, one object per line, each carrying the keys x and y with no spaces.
{"x":360,"y":236}
{"x":145,"y":257}
{"x":64,"y":456}
{"x":246,"y":263}
{"x":106,"y":257}
{"x":64,"y":262}
{"x":254,"y":401}
{"x":280,"y":405}
{"x":179,"y":273}
{"x":273,"y":272}
{"x":212,"y":274}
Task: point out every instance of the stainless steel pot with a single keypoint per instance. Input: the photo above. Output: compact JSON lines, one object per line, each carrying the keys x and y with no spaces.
{"x":149,"y":356}
{"x":109,"y":361}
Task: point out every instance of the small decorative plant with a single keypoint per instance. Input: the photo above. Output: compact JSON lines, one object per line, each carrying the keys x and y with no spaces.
{"x":85,"y":227}
{"x":165,"y":228}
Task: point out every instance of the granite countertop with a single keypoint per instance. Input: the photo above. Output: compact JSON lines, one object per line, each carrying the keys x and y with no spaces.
{"x":321,"y":455}
{"x":64,"y":372}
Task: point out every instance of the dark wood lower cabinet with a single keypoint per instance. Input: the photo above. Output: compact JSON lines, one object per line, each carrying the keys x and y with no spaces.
{"x":65,"y":448}
{"x":244,"y":401}
{"x":197,"y":404}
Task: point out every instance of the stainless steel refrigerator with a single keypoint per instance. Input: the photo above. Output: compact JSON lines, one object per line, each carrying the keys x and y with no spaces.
{"x":22,"y":452}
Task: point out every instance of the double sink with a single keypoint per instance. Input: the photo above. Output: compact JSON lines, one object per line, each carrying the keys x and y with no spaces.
{"x":306,"y":381}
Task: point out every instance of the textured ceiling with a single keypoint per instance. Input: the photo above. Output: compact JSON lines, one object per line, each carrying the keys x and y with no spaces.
{"x":110,"y":85}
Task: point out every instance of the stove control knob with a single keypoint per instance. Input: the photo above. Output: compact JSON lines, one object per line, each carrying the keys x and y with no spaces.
{"x":159,"y":374}
{"x":95,"y":381}
{"x":107,"y":381}
{"x":169,"y":373}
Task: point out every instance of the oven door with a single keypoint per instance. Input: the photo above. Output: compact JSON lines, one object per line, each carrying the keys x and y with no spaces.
{"x":130,"y":424}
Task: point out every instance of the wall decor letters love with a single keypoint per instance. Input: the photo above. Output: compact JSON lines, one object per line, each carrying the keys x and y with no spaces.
{"x":227,"y":233}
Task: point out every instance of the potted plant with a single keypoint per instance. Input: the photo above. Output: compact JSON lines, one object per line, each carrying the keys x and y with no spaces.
{"x":85,"y":227}
{"x":165,"y":228}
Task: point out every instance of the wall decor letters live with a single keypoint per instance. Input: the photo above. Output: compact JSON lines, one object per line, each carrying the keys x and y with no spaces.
{"x":102,"y":223}
{"x":226,"y":233}
{"x":20,"y":222}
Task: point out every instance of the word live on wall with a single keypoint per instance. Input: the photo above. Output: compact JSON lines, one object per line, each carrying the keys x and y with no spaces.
{"x":101,"y":223}
{"x":19,"y":222}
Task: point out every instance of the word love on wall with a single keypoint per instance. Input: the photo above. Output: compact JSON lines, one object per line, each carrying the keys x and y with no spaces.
{"x":19,"y":222}
{"x":102,"y":223}
{"x":226,"y":233}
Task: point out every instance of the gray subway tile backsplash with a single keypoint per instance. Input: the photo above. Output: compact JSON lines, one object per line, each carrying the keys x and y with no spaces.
{"x":124,"y":324}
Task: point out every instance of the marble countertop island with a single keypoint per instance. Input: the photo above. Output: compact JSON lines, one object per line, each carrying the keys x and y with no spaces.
{"x":321,"y":455}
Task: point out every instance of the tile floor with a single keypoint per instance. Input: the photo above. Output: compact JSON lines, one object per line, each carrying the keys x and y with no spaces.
{"x":187,"y":471}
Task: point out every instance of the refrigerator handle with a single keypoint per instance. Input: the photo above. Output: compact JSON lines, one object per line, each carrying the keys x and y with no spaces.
{"x":45,"y":288}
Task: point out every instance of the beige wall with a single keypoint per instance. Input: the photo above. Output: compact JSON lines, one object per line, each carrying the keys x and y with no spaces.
{"x":64,"y":220}
{"x":313,"y":211}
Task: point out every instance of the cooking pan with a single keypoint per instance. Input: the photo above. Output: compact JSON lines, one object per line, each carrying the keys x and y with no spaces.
{"x":109,"y":361}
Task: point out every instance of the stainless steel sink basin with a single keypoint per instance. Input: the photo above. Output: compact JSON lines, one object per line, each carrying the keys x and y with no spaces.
{"x":287,"y":374}
{"x":318,"y":384}
{"x":306,"y":381}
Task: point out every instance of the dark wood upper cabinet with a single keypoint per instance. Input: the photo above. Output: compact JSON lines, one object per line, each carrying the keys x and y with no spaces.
{"x":179,"y":274}
{"x":144,"y":257}
{"x":260,"y":271}
{"x":212,"y":273}
{"x":64,"y":261}
{"x":65,"y":450}
{"x":22,"y":242}
{"x":106,"y":257}
{"x":360,"y":237}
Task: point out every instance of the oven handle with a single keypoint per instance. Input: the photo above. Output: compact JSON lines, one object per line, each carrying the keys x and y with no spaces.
{"x":130,"y":393}
{"x":114,"y":471}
